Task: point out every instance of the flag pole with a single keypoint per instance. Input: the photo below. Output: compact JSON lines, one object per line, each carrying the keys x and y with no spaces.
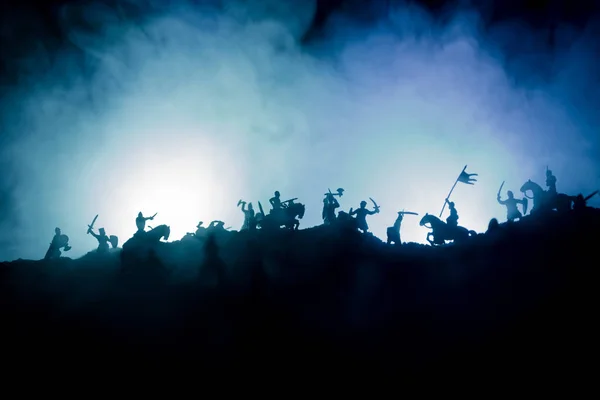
{"x":451,"y":190}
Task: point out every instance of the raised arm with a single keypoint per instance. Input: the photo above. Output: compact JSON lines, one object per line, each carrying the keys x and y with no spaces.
{"x":352,"y":212}
{"x":503,"y":202}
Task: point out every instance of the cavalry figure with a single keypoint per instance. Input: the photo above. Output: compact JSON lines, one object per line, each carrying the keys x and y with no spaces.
{"x":442,"y":232}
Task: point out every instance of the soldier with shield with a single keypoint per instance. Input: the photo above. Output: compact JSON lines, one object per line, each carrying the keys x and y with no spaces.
{"x":59,"y":241}
{"x":102,"y":238}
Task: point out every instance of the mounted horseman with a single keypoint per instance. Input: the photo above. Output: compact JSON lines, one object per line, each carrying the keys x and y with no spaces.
{"x":283,"y":214}
{"x":442,"y":232}
{"x":547,"y":200}
{"x":143,"y":242}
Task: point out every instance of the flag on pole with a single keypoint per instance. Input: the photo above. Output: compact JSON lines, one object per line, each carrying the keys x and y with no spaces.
{"x":465,"y":177}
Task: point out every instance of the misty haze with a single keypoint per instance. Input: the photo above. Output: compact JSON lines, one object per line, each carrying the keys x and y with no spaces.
{"x":185,"y":110}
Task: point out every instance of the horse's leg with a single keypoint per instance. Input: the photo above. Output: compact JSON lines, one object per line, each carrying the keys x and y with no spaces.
{"x":429,"y":235}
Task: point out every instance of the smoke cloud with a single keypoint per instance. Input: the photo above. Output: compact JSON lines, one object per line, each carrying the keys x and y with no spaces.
{"x":184,"y":109}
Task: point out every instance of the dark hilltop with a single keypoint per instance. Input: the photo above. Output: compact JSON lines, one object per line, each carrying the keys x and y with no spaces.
{"x":320,"y":297}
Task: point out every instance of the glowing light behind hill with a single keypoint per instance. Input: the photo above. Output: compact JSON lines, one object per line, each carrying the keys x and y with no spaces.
{"x":186,"y":118}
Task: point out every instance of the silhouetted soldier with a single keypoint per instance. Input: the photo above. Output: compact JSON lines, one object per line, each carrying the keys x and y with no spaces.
{"x":249,"y":217}
{"x":393,"y":232}
{"x":550,"y":182}
{"x":276,"y":202}
{"x":361,"y":216}
{"x":330,"y":203}
{"x":452,"y":219}
{"x":102,"y":239}
{"x":512,"y":212}
{"x":140,"y":221}
{"x":59,"y":241}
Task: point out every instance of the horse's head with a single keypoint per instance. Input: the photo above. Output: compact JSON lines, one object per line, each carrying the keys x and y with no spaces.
{"x":166,"y":232}
{"x":533,"y":187}
{"x":425,"y":220}
{"x":530,"y":185}
{"x":299,"y":210}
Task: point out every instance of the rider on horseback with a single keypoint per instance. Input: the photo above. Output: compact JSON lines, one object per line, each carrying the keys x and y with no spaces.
{"x":276,"y":201}
{"x":452,"y":219}
{"x":361,"y":216}
{"x":140,"y":221}
{"x":512,"y":212}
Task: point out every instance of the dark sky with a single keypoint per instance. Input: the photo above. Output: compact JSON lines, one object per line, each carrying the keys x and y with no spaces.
{"x":182,"y":108}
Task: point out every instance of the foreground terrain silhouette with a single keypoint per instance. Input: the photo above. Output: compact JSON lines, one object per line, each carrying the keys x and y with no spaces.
{"x":520,"y":294}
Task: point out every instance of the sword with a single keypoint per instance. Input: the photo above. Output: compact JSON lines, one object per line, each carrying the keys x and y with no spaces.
{"x":91,"y":226}
{"x":375,"y":206}
{"x":261,"y":209}
{"x":407,"y":213}
{"x":154,"y":215}
{"x":500,"y":190}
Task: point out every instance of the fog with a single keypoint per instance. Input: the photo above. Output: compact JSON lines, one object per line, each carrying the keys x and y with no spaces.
{"x":188,"y":109}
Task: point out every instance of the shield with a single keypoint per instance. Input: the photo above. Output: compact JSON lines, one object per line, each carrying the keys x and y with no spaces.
{"x":62,"y":241}
{"x":114,"y":241}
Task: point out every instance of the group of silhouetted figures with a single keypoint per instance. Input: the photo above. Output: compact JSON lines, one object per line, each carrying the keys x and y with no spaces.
{"x":286,"y":214}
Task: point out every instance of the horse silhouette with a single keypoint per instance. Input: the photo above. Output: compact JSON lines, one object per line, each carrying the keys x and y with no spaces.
{"x":442,"y":232}
{"x":545,"y":201}
{"x":286,"y":217}
{"x":142,"y":243}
